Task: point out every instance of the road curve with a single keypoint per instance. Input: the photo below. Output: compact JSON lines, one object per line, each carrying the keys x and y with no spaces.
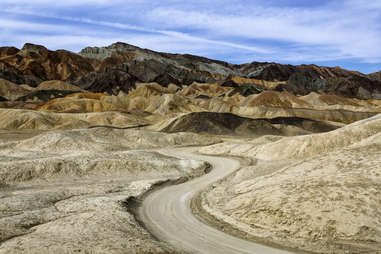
{"x":167,"y":214}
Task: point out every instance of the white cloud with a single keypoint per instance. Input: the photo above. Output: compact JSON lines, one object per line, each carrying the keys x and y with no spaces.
{"x":247,"y":30}
{"x":178,"y":36}
{"x":363,"y":4}
{"x":342,"y":31}
{"x":11,"y":24}
{"x":46,"y":3}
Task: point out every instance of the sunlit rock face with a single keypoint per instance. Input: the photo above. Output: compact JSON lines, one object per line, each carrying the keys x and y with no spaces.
{"x":119,"y":66}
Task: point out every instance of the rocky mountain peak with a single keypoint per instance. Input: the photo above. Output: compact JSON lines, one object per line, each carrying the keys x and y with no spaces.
{"x":7,"y":51}
{"x":376,"y":75}
{"x":105,"y":52}
{"x":30,"y":47}
{"x":120,"y":65}
{"x":122,"y":46}
{"x":95,"y":52}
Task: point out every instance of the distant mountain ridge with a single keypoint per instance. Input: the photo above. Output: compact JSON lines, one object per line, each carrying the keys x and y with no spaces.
{"x":119,"y":66}
{"x":376,"y":74}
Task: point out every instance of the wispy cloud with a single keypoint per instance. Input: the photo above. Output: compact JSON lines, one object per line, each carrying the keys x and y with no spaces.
{"x":124,"y":26}
{"x":341,"y":32}
{"x":49,"y":3}
{"x":347,"y":31}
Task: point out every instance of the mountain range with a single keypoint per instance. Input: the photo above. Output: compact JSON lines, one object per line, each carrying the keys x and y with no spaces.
{"x":120,"y":66}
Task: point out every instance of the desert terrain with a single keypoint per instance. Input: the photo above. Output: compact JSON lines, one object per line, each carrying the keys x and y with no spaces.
{"x":126,"y":150}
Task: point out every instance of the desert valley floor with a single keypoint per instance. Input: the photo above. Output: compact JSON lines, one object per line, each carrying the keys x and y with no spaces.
{"x":210,"y":158}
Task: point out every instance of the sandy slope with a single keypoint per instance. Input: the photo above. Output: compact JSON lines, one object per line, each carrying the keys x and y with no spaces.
{"x":58,"y":85}
{"x":303,"y":192}
{"x":10,"y":90}
{"x":19,"y":119}
{"x":165,"y":103}
{"x":317,"y":192}
{"x":66,"y":191}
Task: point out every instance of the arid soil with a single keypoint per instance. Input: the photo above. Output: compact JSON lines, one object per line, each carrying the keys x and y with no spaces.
{"x":168,"y":213}
{"x":68,"y":191}
{"x":80,"y":136}
{"x":318,"y":192}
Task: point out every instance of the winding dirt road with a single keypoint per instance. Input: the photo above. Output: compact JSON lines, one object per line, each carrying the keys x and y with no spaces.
{"x":167,"y":214}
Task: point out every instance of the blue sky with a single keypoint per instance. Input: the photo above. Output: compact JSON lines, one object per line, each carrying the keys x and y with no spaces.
{"x":344,"y":33}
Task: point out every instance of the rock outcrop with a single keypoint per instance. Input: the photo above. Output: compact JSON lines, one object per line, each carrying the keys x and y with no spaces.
{"x":230,"y":124}
{"x":11,"y":91}
{"x":376,"y":75}
{"x":58,"y":85}
{"x":119,"y":66}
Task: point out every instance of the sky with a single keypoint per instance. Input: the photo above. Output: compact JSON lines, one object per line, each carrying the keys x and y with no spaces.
{"x":344,"y":33}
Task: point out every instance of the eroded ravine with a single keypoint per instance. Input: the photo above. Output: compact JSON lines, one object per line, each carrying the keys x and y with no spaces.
{"x":168,"y":216}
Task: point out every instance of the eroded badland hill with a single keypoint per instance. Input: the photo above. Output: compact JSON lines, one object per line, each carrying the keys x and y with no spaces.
{"x":83,"y":134}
